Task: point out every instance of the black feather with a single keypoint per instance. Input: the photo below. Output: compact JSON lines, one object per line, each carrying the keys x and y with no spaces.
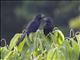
{"x":31,"y":27}
{"x":48,"y":26}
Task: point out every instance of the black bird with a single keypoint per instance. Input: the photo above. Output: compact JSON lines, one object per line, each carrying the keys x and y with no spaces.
{"x":31,"y":27}
{"x":48,"y":26}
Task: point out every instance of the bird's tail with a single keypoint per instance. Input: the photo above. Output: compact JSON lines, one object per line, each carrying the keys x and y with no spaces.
{"x":21,"y":39}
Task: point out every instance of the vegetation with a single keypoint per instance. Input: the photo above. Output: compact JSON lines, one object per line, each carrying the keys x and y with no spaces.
{"x":55,"y":46}
{"x":15,"y":14}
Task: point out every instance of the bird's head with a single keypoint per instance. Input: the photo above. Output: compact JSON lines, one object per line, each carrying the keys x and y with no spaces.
{"x":40,"y":16}
{"x":47,"y":19}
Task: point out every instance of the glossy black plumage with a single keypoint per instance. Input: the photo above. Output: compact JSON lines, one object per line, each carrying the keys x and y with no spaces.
{"x":48,"y":26}
{"x":31,"y":27}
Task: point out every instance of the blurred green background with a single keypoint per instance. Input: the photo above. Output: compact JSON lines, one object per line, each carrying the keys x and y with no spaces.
{"x":15,"y":14}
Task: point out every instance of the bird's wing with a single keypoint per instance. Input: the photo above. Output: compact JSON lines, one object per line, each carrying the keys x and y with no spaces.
{"x":32,"y":26}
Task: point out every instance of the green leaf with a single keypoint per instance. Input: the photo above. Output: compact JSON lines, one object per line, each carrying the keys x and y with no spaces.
{"x":58,"y":55}
{"x":78,"y":39}
{"x":13,"y":55}
{"x":58,"y":37}
{"x":13,"y":41}
{"x":8,"y":55}
{"x":67,"y":50}
{"x":3,"y":52}
{"x":20,"y":46}
{"x":75,"y":51}
{"x":50,"y":54}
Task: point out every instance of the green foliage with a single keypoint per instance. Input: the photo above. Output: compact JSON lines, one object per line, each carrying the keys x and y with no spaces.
{"x":13,"y":41}
{"x":41,"y":47}
{"x":75,"y":23}
{"x":58,"y":37}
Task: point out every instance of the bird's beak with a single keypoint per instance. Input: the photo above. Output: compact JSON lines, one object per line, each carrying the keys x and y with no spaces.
{"x":45,"y":18}
{"x":42,"y":15}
